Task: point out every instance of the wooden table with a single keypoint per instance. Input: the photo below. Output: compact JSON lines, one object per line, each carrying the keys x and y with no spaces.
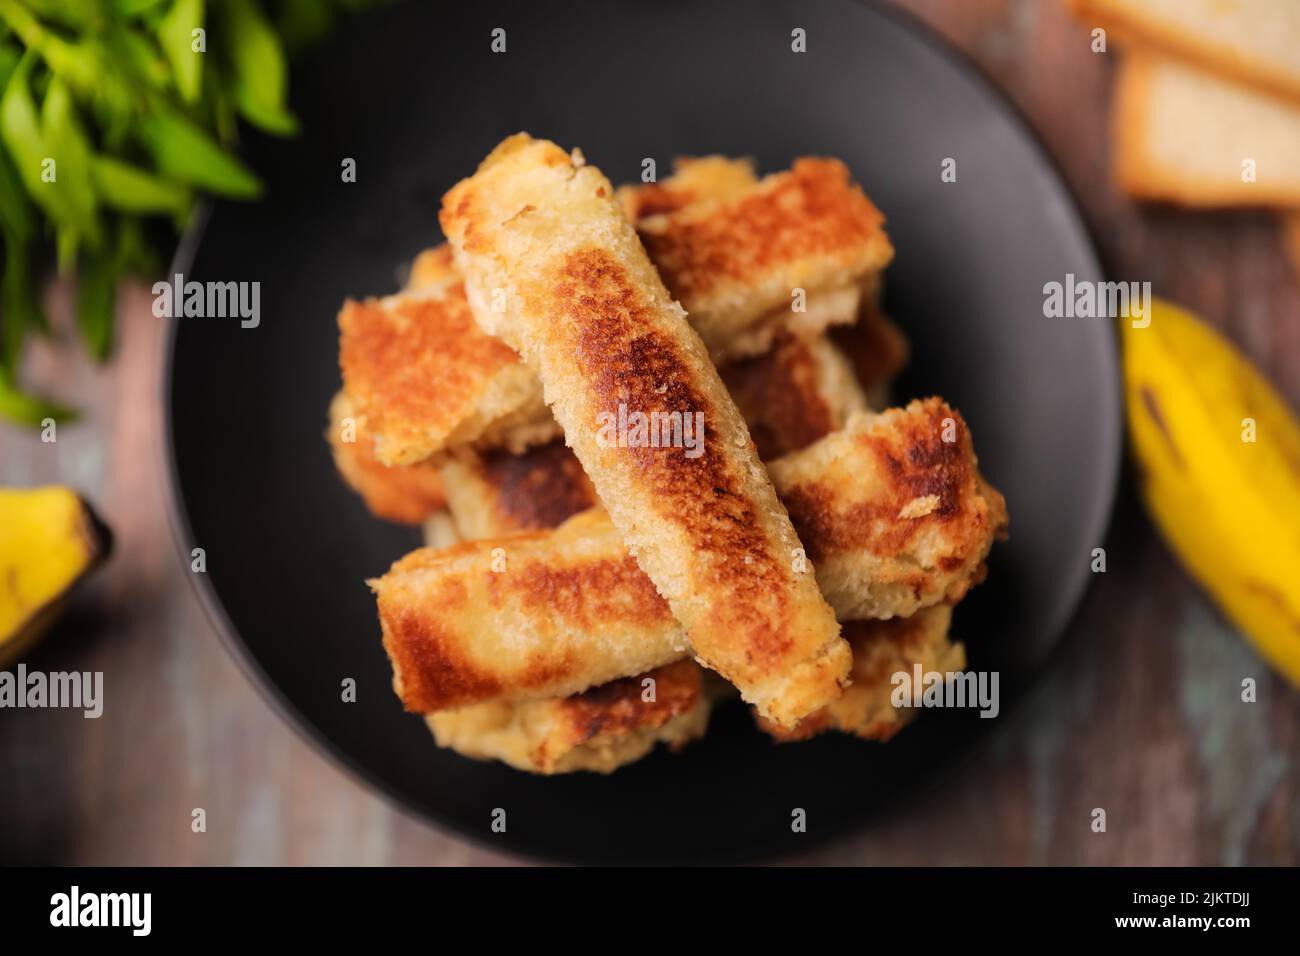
{"x":1139,"y":714}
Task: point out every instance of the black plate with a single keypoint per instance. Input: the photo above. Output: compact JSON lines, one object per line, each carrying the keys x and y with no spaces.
{"x":414,"y":94}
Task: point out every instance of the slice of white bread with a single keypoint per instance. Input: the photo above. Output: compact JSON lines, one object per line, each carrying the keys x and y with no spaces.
{"x":1186,"y":136}
{"x":1252,"y":41}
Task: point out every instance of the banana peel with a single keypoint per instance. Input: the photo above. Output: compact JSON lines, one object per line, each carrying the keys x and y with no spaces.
{"x":50,"y":539}
{"x":1229,"y":507}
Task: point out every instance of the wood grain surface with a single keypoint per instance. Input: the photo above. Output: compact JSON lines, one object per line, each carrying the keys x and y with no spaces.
{"x":1139,"y":713}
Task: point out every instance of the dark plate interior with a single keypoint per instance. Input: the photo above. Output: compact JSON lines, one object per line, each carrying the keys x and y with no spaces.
{"x":413,"y":93}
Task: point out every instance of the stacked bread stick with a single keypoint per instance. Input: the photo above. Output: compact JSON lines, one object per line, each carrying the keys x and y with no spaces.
{"x":584,"y":578}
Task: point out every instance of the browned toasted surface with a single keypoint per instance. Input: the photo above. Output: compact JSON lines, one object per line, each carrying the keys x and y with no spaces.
{"x":892,"y":510}
{"x":588,"y":312}
{"x":540,"y":488}
{"x":881,"y":649}
{"x":694,"y":180}
{"x":415,"y":369}
{"x":810,"y":227}
{"x":875,"y":347}
{"x":600,"y":730}
{"x":551,"y":622}
{"x":563,"y":611}
{"x":789,"y":397}
{"x":405,"y":494}
{"x":620,"y":707}
{"x":478,"y":371}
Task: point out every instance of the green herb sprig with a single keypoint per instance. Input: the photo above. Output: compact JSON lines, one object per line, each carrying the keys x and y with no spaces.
{"x":114,"y":116}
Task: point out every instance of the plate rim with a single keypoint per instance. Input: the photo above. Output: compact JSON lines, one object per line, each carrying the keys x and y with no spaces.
{"x":1100,"y":521}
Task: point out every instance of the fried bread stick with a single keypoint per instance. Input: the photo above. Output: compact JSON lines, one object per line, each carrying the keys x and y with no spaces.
{"x":569,"y":609}
{"x":552,"y":267}
{"x":880,"y":650}
{"x":489,"y":404}
{"x":405,"y":494}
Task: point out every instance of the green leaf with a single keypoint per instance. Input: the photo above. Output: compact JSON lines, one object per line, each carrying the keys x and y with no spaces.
{"x":134,"y":8}
{"x":68,"y":147}
{"x":68,"y":13}
{"x":97,"y":302}
{"x":77,"y":63}
{"x":16,"y":215}
{"x":26,"y":409}
{"x":175,"y":32}
{"x":258,"y":64}
{"x":184,"y":152}
{"x":18,"y":298}
{"x":137,"y":55}
{"x":21,"y":131}
{"x":132,"y":189}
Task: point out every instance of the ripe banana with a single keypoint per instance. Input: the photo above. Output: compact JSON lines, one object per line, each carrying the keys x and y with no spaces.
{"x":49,"y":540}
{"x":1218,"y":454}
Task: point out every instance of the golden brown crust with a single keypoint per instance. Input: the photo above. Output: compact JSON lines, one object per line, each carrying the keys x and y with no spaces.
{"x":586,"y":309}
{"x":918,"y":521}
{"x":874,"y":346}
{"x":556,"y":619}
{"x":498,"y":494}
{"x":564,"y":611}
{"x":495,"y":493}
{"x":793,"y":395}
{"x":728,"y":205}
{"x":694,"y":180}
{"x":414,"y":367}
{"x":405,"y":494}
{"x":731,"y":262}
{"x":599,"y":730}
{"x":881,"y":649}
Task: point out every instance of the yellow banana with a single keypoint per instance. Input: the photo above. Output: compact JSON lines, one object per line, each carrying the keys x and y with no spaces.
{"x":49,"y":540}
{"x":1218,"y":455}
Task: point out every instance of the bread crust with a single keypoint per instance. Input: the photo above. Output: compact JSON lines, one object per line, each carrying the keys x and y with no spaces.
{"x":404,"y":494}
{"x":570,"y":609}
{"x":732,"y":262}
{"x":918,"y":522}
{"x":790,"y":397}
{"x":411,"y":365}
{"x":694,"y":180}
{"x":598,"y":730}
{"x":587,"y":311}
{"x":880,"y":650}
{"x":485,"y":380}
{"x":1142,"y":172}
{"x":1133,"y":23}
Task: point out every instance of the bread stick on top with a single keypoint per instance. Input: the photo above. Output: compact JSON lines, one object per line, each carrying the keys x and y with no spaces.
{"x":553,"y":268}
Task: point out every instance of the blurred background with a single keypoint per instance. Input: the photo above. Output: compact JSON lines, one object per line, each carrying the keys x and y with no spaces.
{"x":1130,"y":715}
